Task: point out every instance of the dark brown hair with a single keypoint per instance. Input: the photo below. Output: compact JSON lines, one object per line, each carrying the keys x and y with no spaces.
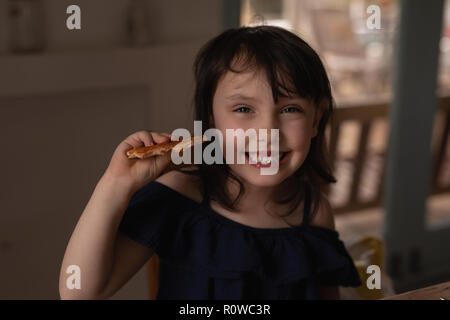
{"x":291,"y":66}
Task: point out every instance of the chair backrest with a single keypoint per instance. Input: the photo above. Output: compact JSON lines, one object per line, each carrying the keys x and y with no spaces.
{"x":366,"y":160}
{"x":349,"y":170}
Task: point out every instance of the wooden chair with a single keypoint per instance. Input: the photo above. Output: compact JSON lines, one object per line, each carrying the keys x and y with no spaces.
{"x":365,"y":116}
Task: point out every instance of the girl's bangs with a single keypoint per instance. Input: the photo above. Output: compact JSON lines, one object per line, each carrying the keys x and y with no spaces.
{"x":280,"y":72}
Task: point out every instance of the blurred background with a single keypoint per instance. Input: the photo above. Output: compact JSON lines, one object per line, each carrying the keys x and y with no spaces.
{"x":68,"y":97}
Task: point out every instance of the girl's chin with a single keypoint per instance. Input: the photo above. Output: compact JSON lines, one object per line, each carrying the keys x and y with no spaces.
{"x":255,"y":178}
{"x":265,"y":184}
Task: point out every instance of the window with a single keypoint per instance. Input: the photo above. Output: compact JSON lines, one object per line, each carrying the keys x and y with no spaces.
{"x":358,"y":60}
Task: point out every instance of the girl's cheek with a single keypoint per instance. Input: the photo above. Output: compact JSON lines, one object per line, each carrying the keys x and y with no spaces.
{"x":234,"y":142}
{"x":297,"y":135}
{"x":222,"y":127}
{"x":223,"y":122}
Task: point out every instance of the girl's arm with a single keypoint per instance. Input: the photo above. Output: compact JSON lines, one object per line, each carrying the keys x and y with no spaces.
{"x":328,"y":292}
{"x":106,"y":258}
{"x":325,"y":218}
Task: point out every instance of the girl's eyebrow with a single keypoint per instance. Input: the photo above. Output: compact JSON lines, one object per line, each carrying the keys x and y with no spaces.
{"x":294,"y":98}
{"x":291,"y":97}
{"x":240,"y":96}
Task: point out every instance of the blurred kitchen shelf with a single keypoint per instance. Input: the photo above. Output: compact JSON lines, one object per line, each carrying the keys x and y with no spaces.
{"x":55,"y":72}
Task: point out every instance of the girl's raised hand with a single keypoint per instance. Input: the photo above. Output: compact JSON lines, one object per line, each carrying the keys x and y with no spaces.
{"x":136,"y":173}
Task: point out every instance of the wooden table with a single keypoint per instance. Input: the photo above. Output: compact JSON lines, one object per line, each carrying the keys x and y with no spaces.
{"x":437,"y":292}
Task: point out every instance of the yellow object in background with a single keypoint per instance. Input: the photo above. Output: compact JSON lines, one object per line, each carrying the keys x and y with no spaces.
{"x":368,"y":251}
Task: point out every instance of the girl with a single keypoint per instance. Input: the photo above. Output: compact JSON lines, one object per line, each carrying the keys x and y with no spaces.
{"x":224,"y":231}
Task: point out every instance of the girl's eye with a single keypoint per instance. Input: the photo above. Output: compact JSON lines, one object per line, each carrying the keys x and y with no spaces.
{"x":291,"y":109}
{"x":242,"y":109}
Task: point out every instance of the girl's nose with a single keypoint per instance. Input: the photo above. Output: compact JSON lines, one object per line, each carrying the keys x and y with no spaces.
{"x":269,"y":140}
{"x":269,"y":121}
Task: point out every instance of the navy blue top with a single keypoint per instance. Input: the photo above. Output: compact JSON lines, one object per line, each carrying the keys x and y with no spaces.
{"x":205,"y":255}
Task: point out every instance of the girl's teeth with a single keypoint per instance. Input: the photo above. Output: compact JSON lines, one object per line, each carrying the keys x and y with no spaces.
{"x":260,"y":159}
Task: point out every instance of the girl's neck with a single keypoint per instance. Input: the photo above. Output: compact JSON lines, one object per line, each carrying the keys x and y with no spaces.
{"x":256,"y":199}
{"x":255,"y":210}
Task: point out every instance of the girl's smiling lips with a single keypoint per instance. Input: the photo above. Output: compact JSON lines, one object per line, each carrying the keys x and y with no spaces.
{"x":265,"y":162}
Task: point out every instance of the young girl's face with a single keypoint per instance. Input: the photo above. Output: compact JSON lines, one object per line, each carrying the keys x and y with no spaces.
{"x":244,"y":100}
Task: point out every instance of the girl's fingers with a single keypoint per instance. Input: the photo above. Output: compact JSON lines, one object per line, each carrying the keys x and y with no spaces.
{"x":126,"y":145}
{"x":146,"y":137}
{"x":141,"y":139}
{"x":160,"y":137}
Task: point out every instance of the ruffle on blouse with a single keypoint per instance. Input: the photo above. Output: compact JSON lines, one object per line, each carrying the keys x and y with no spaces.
{"x":186,"y":234}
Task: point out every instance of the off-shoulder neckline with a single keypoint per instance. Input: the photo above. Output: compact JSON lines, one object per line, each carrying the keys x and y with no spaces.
{"x":206,"y":208}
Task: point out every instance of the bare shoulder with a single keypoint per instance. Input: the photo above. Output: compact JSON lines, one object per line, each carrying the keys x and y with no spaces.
{"x":324,"y":216}
{"x":186,"y":184}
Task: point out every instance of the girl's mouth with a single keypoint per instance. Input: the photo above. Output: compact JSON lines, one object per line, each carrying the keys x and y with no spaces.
{"x":259,"y":161}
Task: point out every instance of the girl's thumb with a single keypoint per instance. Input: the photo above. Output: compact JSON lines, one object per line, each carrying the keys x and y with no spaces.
{"x":164,"y":163}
